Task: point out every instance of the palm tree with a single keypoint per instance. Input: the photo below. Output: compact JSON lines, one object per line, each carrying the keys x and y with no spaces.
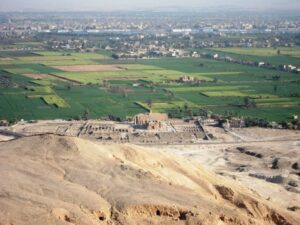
{"x":149,"y":103}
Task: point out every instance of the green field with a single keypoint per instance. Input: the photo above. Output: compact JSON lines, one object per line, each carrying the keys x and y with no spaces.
{"x":143,"y":85}
{"x":55,"y":58}
{"x":286,"y":56}
{"x":291,"y":52}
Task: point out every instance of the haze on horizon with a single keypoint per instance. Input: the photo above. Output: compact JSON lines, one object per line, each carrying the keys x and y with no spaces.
{"x":103,"y":5}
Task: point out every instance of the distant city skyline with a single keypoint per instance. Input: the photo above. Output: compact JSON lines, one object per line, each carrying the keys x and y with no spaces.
{"x":101,"y":5}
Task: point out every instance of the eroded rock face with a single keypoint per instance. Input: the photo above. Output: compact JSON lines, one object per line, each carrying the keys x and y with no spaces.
{"x":59,"y":180}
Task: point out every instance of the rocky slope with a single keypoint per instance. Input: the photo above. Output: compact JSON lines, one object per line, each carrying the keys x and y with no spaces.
{"x":58,"y":180}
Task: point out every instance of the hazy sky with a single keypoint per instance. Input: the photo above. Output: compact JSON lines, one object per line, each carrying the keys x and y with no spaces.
{"x":105,"y":5}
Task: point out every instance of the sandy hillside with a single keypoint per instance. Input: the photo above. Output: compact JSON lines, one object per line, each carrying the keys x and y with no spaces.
{"x":59,"y":180}
{"x":269,"y":168}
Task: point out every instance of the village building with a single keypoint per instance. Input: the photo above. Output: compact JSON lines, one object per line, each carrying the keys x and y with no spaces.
{"x":186,"y":79}
{"x":216,"y":56}
{"x":290,"y":68}
{"x":195,"y":55}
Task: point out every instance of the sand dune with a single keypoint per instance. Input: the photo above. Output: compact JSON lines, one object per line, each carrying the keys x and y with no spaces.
{"x":59,"y":180}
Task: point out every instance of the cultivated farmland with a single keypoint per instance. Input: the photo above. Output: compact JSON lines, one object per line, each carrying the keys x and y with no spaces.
{"x":275,"y":56}
{"x":68,"y":84}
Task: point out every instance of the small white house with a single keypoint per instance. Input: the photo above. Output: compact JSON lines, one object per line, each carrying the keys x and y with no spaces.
{"x":216,"y":56}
